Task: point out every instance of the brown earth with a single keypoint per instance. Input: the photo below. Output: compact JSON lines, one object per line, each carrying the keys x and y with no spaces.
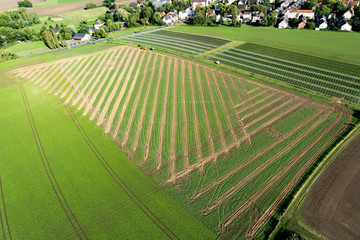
{"x":333,"y":204}
{"x":6,"y":4}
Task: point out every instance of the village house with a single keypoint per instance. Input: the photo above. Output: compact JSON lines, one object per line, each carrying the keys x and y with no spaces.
{"x":343,"y":24}
{"x":321,"y":23}
{"x":353,"y":3}
{"x":283,"y":22}
{"x":301,"y":22}
{"x":89,"y":29}
{"x":81,"y":37}
{"x":98,"y":24}
{"x":204,"y":3}
{"x":349,"y":13}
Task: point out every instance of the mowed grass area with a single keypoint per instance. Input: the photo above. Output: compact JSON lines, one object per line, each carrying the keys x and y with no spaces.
{"x":325,"y":44}
{"x":28,"y":48}
{"x":217,"y":142}
{"x":61,"y":177}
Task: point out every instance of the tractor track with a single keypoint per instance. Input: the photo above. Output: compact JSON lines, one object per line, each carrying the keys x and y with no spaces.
{"x":5,"y":214}
{"x":48,"y":169}
{"x":172,"y":161}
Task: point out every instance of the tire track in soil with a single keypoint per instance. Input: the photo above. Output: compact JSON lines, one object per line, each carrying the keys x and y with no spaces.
{"x":153,"y":110}
{"x":121,"y":95}
{"x":257,"y":102}
{"x":73,"y":85}
{"x":128,"y":97}
{"x":68,"y":79}
{"x":63,"y":72}
{"x":259,"y":169}
{"x":100,"y":66}
{"x":173,"y":126}
{"x":251,"y":98}
{"x":103,"y":66}
{"x":196,"y":123}
{"x":51,"y":77}
{"x":217,"y":182}
{"x":186,"y":137}
{"x":122,"y":91}
{"x":163,"y":120}
{"x":76,"y":89}
{"x":5,"y":214}
{"x":136,"y":103}
{"x":257,"y":195}
{"x":269,"y":212}
{"x":127,"y":190}
{"x":217,"y":117}
{"x":232,"y":130}
{"x":89,"y":106}
{"x":206,"y":160}
{"x":236,"y":89}
{"x":129,"y":58}
{"x":56,"y":188}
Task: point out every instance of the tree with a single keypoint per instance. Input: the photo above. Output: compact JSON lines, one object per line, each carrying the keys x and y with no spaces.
{"x":100,"y":34}
{"x":199,"y":19}
{"x":258,"y":8}
{"x":25,"y":3}
{"x":90,"y":5}
{"x":156,"y":19}
{"x":310,"y":4}
{"x":270,"y":19}
{"x":146,"y":12}
{"x":310,"y":25}
{"x":83,"y":30}
{"x":50,"y":39}
{"x":323,"y":10}
{"x":122,"y":15}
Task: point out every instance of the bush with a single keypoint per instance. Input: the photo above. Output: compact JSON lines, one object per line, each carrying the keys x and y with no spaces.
{"x":7,"y":55}
{"x":100,"y":34}
{"x":90,"y":5}
{"x":25,"y":3}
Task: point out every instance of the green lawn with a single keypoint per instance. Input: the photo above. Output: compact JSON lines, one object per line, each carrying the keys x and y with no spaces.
{"x":327,"y":44}
{"x":97,"y":200}
{"x":29,"y":48}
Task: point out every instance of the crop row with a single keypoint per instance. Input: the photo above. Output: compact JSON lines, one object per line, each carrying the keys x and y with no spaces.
{"x":301,"y":68}
{"x":196,"y":38}
{"x":285,"y":76}
{"x":323,"y":63}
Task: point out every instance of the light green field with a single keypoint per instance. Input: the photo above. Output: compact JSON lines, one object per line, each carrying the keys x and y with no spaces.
{"x":28,"y":48}
{"x":61,"y":177}
{"x":226,"y":142}
{"x":318,"y":43}
{"x":81,"y":14}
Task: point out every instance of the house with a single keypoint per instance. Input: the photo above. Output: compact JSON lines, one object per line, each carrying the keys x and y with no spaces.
{"x":230,"y":2}
{"x":353,"y":3}
{"x":56,"y":30}
{"x":246,"y":16}
{"x":210,"y":11}
{"x":89,"y":29}
{"x":283,"y":22}
{"x":183,"y":15}
{"x":159,"y":3}
{"x":255,"y":16}
{"x":343,"y":24}
{"x":306,"y":13}
{"x":242,"y":4}
{"x":81,"y":37}
{"x":321,"y":23}
{"x":167,"y":19}
{"x":174,"y":16}
{"x":349,"y":13}
{"x":290,"y":13}
{"x":98,"y":24}
{"x":202,"y":3}
{"x":301,"y":22}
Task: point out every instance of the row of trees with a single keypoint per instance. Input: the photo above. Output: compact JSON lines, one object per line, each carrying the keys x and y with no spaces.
{"x":52,"y":40}
{"x":18,"y":19}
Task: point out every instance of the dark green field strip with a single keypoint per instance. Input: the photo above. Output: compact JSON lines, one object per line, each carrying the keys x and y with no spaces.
{"x":199,"y":38}
{"x":181,"y":41}
{"x":283,"y":76}
{"x":302,"y":69}
{"x":174,"y":47}
{"x":346,"y":68}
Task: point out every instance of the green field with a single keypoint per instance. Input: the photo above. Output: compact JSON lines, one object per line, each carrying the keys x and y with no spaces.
{"x":28,"y":48}
{"x":61,"y":177}
{"x":324,"y":44}
{"x":225,"y":148}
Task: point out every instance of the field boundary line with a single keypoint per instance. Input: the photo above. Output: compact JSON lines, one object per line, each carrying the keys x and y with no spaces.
{"x":5,"y":214}
{"x":251,"y":98}
{"x":257,"y":102}
{"x":250,"y":160}
{"x":48,"y":169}
{"x":128,"y":96}
{"x":63,"y":76}
{"x":44,"y":76}
{"x":143,"y":109}
{"x":262,"y":167}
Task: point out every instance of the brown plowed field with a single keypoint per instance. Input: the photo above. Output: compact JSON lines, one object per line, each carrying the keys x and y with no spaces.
{"x":333,"y":204}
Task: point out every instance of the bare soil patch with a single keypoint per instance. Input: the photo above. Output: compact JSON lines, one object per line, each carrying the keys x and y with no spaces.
{"x":333,"y":205}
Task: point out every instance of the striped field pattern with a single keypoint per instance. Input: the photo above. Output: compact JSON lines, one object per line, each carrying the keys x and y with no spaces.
{"x":179,"y":120}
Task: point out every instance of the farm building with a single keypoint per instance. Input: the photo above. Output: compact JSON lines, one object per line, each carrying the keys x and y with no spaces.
{"x":97,"y":24}
{"x":81,"y":37}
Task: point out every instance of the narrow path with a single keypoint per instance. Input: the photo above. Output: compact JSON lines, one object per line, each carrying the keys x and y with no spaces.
{"x":143,"y":109}
{"x":121,"y":94}
{"x":128,"y":97}
{"x":236,"y":89}
{"x":251,"y":98}
{"x":261,"y":108}
{"x":186,"y":137}
{"x":257,"y":102}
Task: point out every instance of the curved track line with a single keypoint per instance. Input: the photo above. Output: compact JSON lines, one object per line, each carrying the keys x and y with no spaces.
{"x":123,"y":89}
{"x":65,"y":206}
{"x":82,"y":93}
{"x":163,"y":117}
{"x":119,"y":79}
{"x":143,"y":109}
{"x":152,"y":118}
{"x":5,"y":214}
{"x":128,"y":97}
